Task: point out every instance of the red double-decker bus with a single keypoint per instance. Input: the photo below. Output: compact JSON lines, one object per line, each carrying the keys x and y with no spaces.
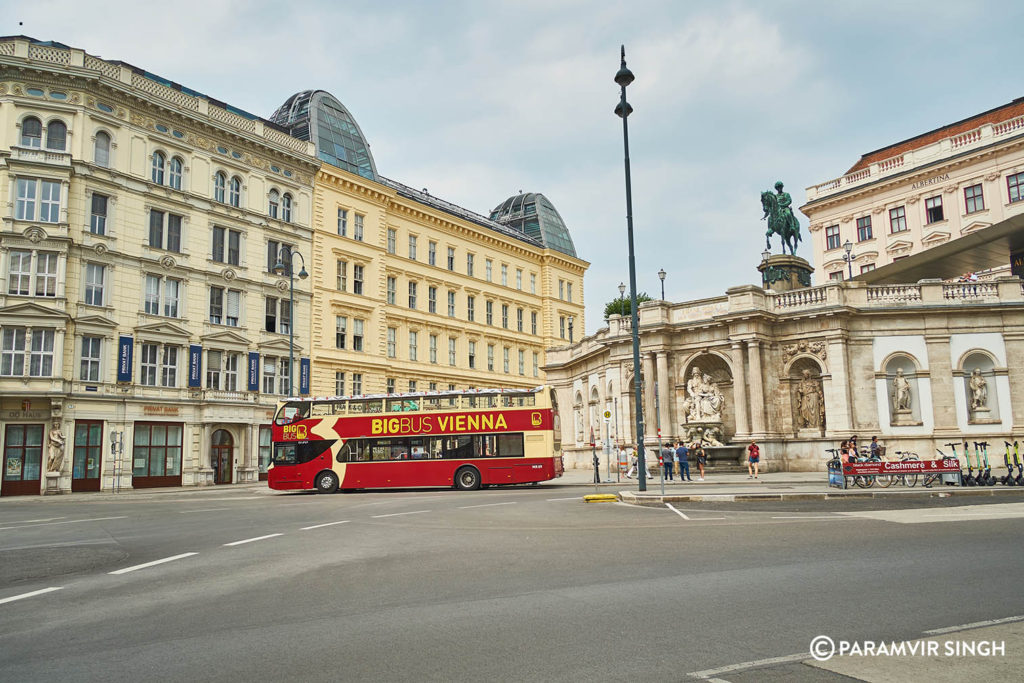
{"x":463,"y":439}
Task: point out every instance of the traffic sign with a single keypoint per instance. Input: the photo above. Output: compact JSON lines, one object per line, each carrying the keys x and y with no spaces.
{"x":607,"y":415}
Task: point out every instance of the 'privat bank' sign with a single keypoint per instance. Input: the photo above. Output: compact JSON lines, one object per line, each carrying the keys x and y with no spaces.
{"x":930,"y":181}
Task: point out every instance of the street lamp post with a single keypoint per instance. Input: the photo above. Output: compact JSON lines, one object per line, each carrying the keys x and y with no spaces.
{"x":661,"y":276}
{"x":570,"y":329}
{"x":848,"y":257}
{"x":281,"y":268}
{"x":623,"y":78}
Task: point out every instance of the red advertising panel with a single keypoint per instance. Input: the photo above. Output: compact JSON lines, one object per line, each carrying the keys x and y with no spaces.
{"x":947,"y":465}
{"x":420,"y":424}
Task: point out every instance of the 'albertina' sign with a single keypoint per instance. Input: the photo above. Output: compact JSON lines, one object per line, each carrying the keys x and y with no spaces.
{"x":930,"y":181}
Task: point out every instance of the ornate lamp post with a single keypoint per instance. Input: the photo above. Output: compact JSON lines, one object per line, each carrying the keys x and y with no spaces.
{"x":280,"y":268}
{"x":623,"y":78}
{"x":661,"y":276}
{"x":570,"y":328}
{"x":848,"y":257}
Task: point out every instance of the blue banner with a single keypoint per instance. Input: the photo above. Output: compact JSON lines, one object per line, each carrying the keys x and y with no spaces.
{"x":195,"y":365}
{"x":254,"y":371}
{"x":303,"y":376}
{"x":125,"y":348}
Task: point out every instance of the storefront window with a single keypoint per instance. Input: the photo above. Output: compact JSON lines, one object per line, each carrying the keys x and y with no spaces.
{"x":157,"y":450}
{"x":264,"y":452}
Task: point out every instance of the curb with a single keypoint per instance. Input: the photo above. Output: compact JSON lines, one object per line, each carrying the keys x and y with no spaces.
{"x":601,"y":498}
{"x":634,"y":498}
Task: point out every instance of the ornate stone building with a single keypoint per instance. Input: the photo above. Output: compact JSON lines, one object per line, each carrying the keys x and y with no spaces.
{"x":917,"y":365}
{"x":140,"y":320}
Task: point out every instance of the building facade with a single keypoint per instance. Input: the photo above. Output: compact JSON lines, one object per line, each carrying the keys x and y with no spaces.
{"x":144,"y":337}
{"x":919,"y":193}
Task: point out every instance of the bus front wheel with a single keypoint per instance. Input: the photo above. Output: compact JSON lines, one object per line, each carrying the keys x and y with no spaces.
{"x":326,"y":482}
{"x":467,"y":479}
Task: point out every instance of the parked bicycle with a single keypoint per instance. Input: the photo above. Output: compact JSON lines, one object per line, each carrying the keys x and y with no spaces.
{"x":909,"y":480}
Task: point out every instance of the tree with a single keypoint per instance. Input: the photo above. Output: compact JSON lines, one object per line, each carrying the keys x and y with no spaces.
{"x":622,"y":306}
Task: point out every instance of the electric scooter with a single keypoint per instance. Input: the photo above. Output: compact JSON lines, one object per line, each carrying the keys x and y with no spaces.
{"x":963,"y":477}
{"x":969,"y":479}
{"x":1009,"y":479}
{"x":1020,"y":465}
{"x":981,"y":450}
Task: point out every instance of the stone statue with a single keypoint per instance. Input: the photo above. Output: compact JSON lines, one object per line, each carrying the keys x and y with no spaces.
{"x":711,"y":399}
{"x":712,"y":436}
{"x":579,"y":425}
{"x":810,"y":402}
{"x":901,"y":397}
{"x":56,"y":447}
{"x":979,"y":391}
{"x":778,"y":209}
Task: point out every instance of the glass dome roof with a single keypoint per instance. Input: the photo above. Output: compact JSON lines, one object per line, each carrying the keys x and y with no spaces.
{"x":318,"y":116}
{"x":534,"y":215}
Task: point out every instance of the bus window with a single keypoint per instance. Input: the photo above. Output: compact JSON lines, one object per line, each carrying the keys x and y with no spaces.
{"x":338,"y":407}
{"x":431,"y":404}
{"x":292,"y":412}
{"x":374,"y":405}
{"x":402,"y":405}
{"x":321,"y":410}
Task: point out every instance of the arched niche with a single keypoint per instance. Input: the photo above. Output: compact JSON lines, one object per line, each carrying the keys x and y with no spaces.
{"x":577,"y":417}
{"x":719,"y":407}
{"x":978,"y":374}
{"x":903,"y":390}
{"x":807,"y":396}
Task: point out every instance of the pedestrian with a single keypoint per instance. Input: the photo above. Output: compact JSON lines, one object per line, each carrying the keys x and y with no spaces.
{"x":753,"y":459}
{"x":876,"y":449}
{"x":853,"y":446}
{"x":702,"y":458}
{"x":633,"y":462}
{"x":667,"y":461}
{"x":683,"y":458}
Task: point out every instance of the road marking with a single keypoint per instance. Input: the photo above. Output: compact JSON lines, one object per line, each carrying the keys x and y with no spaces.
{"x":318,"y":526}
{"x":70,"y":521}
{"x":250,"y":540}
{"x":396,"y":514}
{"x":669,"y":506}
{"x":710,"y":674}
{"x":962,"y":513}
{"x":188,"y":512}
{"x":808,"y":517}
{"x":32,"y":594}
{"x":976,"y":624}
{"x":153,"y":563}
{"x":485,"y":505}
{"x":45,"y":519}
{"x":573,"y":498}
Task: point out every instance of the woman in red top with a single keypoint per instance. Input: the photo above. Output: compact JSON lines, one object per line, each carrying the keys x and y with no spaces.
{"x":753,"y":459}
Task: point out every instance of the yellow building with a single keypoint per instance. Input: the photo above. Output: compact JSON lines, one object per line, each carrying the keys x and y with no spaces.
{"x":413,"y":293}
{"x":140,"y":322}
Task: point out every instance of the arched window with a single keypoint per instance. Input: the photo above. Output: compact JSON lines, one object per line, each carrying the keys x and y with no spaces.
{"x":274,"y":201}
{"x":31,"y":133}
{"x":235,"y":192}
{"x":220,"y":182}
{"x":174,"y":174}
{"x":286,"y":208}
{"x":158,"y":168}
{"x":56,"y":136}
{"x":101,"y":153}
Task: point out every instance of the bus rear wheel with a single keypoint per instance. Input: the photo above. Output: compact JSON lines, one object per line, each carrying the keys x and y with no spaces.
{"x":467,"y":479}
{"x":326,"y":482}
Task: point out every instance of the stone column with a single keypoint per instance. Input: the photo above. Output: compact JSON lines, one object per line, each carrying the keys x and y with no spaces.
{"x":650,"y":421}
{"x":668,"y":429}
{"x":839,"y":413}
{"x":1014,"y":362}
{"x":739,"y":390}
{"x":757,"y":397}
{"x":940,"y":372}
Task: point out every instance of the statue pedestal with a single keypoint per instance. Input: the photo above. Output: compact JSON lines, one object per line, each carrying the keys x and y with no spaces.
{"x":982,"y":416}
{"x":708,"y":433}
{"x":52,"y":483}
{"x":784,"y":273}
{"x":904,"y":418}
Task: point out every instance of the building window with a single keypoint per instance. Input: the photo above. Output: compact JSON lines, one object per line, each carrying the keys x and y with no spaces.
{"x":837,"y":276}
{"x":472,"y":355}
{"x":414,"y":338}
{"x":94,"y":277}
{"x":561,"y":289}
{"x":164,"y":231}
{"x":169,"y":367}
{"x":286,"y":208}
{"x":832,"y":237}
{"x":175,"y":170}
{"x":357,"y":334}
{"x":390,"y":385}
{"x":433,"y":348}
{"x":392,"y":342}
{"x":504,"y":275}
{"x":867,"y":268}
{"x":286,"y":374}
{"x":157,"y":361}
{"x":412,"y":385}
{"x":12,"y":352}
{"x":357,"y":383}
{"x":357,"y":230}
{"x":488,"y":270}
{"x":504,"y":316}
{"x":469,"y":265}
{"x":56,"y":136}
{"x":38,"y":343}
{"x":235,"y":191}
{"x":536,"y":364}
{"x":533,"y":283}
{"x":451,"y":258}
{"x":561,"y":326}
{"x":519,"y":278}
{"x":451,"y":351}
{"x":392,"y":240}
{"x":98,"y":215}
{"x":227,"y":245}
{"x":339,"y":383}
{"x":37,"y":198}
{"x":225,"y":306}
{"x":342,"y":274}
{"x":89,"y":369}
{"x":278,"y":315}
{"x":412,"y":247}
{"x":343,"y":225}
{"x":392,"y":284}
{"x":451,"y":304}
{"x":213,"y":369}
{"x":412,"y":295}
{"x":340,"y":330}
{"x":897,"y":220}
{"x":274,"y":203}
{"x":490,"y":357}
{"x":489,"y":312}
{"x":171,"y":294}
{"x":157,"y":173}
{"x":156,"y":450}
{"x":864,"y":228}
{"x":933,"y":209}
{"x":220,"y":184}
{"x":974,"y":198}
{"x":21,"y":273}
{"x":101,"y":150}
{"x":522,"y":362}
{"x":1015,"y":187}
{"x":431,"y":299}
{"x":269,"y":374}
{"x":31,"y":133}
{"x":504,"y":356}
{"x":357,"y":279}
{"x":470,"y":308}
{"x":231,"y":371}
{"x":432,"y":253}
{"x":533,"y":322}
{"x":519,"y":320}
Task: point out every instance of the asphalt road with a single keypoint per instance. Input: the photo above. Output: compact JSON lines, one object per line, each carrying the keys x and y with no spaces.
{"x":503,"y":584}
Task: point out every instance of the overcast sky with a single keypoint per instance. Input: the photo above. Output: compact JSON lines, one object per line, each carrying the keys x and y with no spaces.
{"x":477,"y":100}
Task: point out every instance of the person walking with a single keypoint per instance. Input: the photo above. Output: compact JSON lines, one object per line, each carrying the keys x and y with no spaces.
{"x":753,"y":459}
{"x":683,"y":458}
{"x":667,"y":461}
{"x":633,"y":462}
{"x":702,"y":458}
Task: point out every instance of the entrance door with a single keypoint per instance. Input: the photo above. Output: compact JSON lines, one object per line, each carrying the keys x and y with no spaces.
{"x":23,"y":460}
{"x":222,"y":453}
{"x":85,"y":470}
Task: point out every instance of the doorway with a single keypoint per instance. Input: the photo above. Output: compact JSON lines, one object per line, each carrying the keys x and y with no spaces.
{"x":222,"y":452}
{"x":23,"y":460}
{"x":85,"y":467}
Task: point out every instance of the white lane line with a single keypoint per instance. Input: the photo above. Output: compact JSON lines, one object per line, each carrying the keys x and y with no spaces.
{"x":152,"y":564}
{"x":709,"y":674}
{"x":573,"y":498}
{"x":485,"y":505}
{"x":808,"y":517}
{"x":669,"y":506}
{"x":318,"y":526}
{"x":71,"y":521}
{"x":45,"y":519}
{"x":32,"y":594}
{"x":976,"y":624}
{"x":189,"y":512}
{"x":250,"y":540}
{"x":396,"y":514}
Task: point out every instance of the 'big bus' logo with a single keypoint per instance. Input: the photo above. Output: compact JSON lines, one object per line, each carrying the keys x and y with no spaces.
{"x":444,"y":424}
{"x":295,"y":432}
{"x":536,"y":419}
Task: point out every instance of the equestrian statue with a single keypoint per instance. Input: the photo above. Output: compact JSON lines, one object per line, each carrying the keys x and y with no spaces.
{"x":781,"y":221}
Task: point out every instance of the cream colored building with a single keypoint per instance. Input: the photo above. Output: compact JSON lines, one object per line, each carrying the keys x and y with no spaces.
{"x":413,"y":293}
{"x":920,"y":193}
{"x":141,"y":221}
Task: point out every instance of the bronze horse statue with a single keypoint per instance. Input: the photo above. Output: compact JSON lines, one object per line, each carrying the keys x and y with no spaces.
{"x":781,"y":220}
